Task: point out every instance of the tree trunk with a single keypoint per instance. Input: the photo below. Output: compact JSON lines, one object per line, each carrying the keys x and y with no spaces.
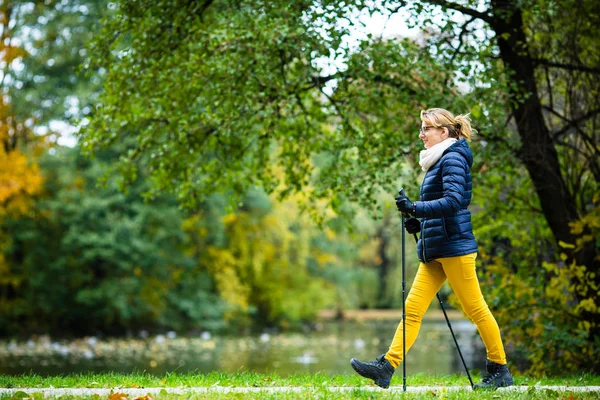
{"x":537,"y":151}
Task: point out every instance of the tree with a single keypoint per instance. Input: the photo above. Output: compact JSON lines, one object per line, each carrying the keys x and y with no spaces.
{"x":41,"y":44}
{"x":269,"y":263}
{"x":20,"y":176}
{"x":254,"y":81}
{"x":88,"y":259}
{"x":46,"y":84}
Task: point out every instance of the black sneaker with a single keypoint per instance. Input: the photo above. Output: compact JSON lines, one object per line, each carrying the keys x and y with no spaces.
{"x":380,"y":370}
{"x":497,"y":376}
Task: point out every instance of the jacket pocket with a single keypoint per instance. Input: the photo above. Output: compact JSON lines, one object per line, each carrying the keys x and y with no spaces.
{"x":444,"y":228}
{"x":451,"y":228}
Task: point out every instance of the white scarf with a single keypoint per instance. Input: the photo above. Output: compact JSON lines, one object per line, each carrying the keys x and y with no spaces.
{"x":430,"y":156}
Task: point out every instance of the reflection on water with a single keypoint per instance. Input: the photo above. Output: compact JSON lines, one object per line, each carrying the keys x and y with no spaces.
{"x":326,"y":350}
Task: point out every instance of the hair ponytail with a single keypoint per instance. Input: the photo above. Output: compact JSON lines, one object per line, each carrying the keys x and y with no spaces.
{"x":458,"y":127}
{"x":463,"y":126}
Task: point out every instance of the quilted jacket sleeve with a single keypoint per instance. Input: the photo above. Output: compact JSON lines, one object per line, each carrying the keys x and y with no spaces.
{"x":454,"y":177}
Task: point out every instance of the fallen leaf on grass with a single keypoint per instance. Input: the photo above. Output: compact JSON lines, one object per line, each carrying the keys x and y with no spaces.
{"x":146,"y":397}
{"x":571,"y":396}
{"x":117,"y":396}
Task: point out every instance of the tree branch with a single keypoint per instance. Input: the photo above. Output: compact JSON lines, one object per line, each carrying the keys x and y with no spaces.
{"x":484,"y":16}
{"x":386,"y":80}
{"x":586,"y":138}
{"x":322,"y":80}
{"x":456,"y":49}
{"x":569,"y":67}
{"x":549,"y":86}
{"x":572,"y":123}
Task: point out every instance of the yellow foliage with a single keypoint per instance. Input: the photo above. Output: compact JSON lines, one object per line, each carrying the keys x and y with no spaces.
{"x":8,"y":52}
{"x":261,"y":266}
{"x":325,"y":258}
{"x":19,"y":181}
{"x":586,"y":305}
{"x":533,"y":316}
{"x":230,"y":218}
{"x":20,"y":177}
{"x":588,"y":226}
{"x":330,"y":234}
{"x":566,"y":245}
{"x":222,"y":265}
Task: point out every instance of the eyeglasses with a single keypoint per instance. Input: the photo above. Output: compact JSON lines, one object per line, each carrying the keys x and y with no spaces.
{"x":425,"y":128}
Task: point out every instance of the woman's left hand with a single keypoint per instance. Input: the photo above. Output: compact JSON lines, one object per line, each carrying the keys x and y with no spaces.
{"x":403,"y":204}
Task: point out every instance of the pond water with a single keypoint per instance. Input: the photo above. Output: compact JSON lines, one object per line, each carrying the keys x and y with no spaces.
{"x":327,"y":350}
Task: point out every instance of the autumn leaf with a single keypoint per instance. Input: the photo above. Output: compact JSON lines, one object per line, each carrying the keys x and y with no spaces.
{"x":117,"y":396}
{"x":19,"y":180}
{"x":146,"y":397}
{"x":571,"y":396}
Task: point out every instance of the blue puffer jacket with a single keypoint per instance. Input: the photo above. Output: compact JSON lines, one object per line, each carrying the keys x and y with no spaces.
{"x":446,"y":229}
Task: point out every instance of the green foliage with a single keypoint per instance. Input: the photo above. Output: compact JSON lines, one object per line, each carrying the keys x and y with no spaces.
{"x":255,"y":96}
{"x":546,"y":307}
{"x":92,"y":259}
{"x":48,"y":85}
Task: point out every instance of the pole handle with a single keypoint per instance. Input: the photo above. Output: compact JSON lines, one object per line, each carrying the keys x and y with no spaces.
{"x":406,"y":215}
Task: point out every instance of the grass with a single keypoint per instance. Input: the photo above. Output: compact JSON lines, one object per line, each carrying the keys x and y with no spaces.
{"x":357,"y":394}
{"x":313,"y":386}
{"x":251,"y":379}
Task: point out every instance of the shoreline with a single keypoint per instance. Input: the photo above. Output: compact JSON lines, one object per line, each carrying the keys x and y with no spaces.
{"x":387,"y":315}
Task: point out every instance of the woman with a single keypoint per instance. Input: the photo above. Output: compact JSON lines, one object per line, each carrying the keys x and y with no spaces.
{"x":446,"y":249}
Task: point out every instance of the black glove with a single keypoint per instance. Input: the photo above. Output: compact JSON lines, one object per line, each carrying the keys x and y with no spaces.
{"x":403,"y":204}
{"x":412,"y":225}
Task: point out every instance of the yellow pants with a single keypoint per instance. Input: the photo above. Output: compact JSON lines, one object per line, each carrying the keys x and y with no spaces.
{"x":460,"y":272}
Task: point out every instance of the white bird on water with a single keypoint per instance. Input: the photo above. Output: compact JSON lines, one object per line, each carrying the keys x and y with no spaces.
{"x":305,"y":358}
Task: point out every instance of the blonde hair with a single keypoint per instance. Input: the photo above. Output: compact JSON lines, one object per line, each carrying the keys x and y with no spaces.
{"x":458,"y":127}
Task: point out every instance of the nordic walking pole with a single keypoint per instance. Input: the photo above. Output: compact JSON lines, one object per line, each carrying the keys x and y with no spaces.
{"x":401,"y":191}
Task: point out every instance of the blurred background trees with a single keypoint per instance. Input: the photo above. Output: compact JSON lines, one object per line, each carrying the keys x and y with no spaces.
{"x":237,"y":142}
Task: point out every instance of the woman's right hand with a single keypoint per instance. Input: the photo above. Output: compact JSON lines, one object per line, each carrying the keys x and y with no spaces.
{"x":412,"y":225}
